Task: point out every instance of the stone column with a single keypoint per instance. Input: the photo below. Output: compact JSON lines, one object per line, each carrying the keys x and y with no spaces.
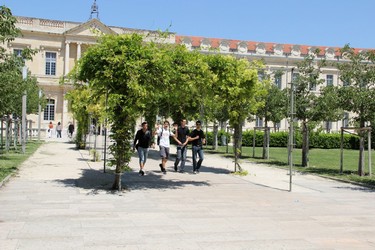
{"x":67,"y":53}
{"x":78,"y":51}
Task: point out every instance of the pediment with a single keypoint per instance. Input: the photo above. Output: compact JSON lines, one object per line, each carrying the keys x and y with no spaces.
{"x":90,"y":28}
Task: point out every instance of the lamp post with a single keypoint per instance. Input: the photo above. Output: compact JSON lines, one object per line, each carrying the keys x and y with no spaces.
{"x":24,"y":96}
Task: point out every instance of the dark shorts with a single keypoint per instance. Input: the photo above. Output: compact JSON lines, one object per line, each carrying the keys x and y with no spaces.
{"x":164,"y":152}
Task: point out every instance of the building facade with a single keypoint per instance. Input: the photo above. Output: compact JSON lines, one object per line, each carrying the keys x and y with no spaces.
{"x":61,"y":43}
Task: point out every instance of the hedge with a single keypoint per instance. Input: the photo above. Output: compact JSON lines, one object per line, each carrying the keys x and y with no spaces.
{"x":280,"y":139}
{"x":210,"y":136}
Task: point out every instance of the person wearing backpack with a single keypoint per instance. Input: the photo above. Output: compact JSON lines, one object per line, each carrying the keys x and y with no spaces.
{"x":164,"y":135}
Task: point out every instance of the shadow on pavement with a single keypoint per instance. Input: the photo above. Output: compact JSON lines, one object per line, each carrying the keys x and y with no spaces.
{"x":95,"y":180}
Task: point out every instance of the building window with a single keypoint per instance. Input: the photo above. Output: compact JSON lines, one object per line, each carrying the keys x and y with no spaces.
{"x":259,"y":122}
{"x":312,"y":87}
{"x":50,"y":63}
{"x":17,"y":52}
{"x":278,"y":81}
{"x":49,"y":111}
{"x":328,"y":125}
{"x":261,"y":75}
{"x":329,"y":80}
{"x":345,"y":120}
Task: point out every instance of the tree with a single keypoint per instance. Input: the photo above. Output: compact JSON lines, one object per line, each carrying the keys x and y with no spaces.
{"x":237,"y":88}
{"x":275,"y":107}
{"x":357,"y":96}
{"x":306,"y":83}
{"x":12,"y":85}
{"x":131,"y":72}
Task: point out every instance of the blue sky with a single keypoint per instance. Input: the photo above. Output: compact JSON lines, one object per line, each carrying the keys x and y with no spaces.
{"x":305,"y":22}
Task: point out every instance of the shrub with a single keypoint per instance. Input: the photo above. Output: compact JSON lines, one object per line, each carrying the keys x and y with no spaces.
{"x":210,"y":137}
{"x":317,"y":140}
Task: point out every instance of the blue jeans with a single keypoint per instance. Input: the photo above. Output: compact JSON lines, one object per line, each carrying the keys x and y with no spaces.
{"x":181,"y":156}
{"x":197,"y":150}
{"x":142,"y":153}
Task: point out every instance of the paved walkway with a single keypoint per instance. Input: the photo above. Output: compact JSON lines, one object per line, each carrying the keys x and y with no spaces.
{"x":60,"y":200}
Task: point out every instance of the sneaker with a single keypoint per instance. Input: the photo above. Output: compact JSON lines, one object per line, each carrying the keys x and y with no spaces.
{"x":197,"y":171}
{"x":182,"y":171}
{"x":194,"y":172}
{"x":141,"y":173}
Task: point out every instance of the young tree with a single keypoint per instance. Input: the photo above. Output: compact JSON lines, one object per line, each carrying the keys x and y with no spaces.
{"x":237,"y":88}
{"x":306,"y":87}
{"x":275,"y":107}
{"x":357,"y":72}
{"x":12,"y":85}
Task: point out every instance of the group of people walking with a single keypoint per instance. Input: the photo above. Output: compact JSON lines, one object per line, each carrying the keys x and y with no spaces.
{"x":181,"y":134}
{"x":59,"y":129}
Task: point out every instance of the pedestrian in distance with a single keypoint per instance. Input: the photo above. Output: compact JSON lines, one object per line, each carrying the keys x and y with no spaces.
{"x":142,"y":142}
{"x":197,"y":139}
{"x":181,"y":137}
{"x":50,"y":128}
{"x":164,"y":135}
{"x":70,"y":130}
{"x":58,"y":130}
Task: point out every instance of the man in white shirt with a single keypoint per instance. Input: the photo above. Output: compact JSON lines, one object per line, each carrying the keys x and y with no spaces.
{"x":164,"y":134}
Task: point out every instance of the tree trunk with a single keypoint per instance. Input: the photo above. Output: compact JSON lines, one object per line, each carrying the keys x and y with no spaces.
{"x":120,"y":162}
{"x":265,"y":141}
{"x":305,"y":145}
{"x":361,"y":160}
{"x":237,"y":144}
{"x":215,"y":139}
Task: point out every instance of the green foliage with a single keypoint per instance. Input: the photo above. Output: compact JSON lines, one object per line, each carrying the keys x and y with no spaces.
{"x":275,"y":102}
{"x":317,"y":140}
{"x":12,"y":86}
{"x":210,"y":137}
{"x":358,"y":94}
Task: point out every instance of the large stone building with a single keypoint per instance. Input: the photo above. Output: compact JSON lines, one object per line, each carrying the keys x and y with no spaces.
{"x":61,"y":43}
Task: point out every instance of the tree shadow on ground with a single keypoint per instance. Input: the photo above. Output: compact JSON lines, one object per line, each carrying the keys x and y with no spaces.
{"x":96,"y":181}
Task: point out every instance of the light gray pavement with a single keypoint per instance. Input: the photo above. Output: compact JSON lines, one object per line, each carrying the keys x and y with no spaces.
{"x":61,"y":200}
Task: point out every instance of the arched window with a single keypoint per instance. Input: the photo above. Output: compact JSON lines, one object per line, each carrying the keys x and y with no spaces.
{"x":49,"y":111}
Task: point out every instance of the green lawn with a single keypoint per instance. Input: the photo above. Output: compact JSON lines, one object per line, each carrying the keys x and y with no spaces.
{"x":9,"y":162}
{"x":322,"y":162}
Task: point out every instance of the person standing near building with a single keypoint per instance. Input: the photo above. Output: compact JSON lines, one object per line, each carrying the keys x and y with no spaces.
{"x":50,"y":128}
{"x":197,"y":138}
{"x":142,"y":142}
{"x":70,"y":130}
{"x":181,"y":137}
{"x":58,"y":130}
{"x":164,"y":134}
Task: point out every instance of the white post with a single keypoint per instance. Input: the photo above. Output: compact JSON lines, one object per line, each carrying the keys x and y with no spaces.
{"x":39,"y":114}
{"x":78,"y":51}
{"x":24,"y":76}
{"x":67,"y":53}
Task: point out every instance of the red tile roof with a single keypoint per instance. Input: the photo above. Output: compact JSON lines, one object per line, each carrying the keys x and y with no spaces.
{"x":251,"y":45}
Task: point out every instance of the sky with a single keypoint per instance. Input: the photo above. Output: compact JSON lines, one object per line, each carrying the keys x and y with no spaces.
{"x":304,"y":22}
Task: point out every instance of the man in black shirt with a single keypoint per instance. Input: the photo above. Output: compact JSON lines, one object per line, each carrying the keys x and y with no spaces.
{"x":197,"y":138}
{"x":181,"y":137}
{"x":143,"y":137}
